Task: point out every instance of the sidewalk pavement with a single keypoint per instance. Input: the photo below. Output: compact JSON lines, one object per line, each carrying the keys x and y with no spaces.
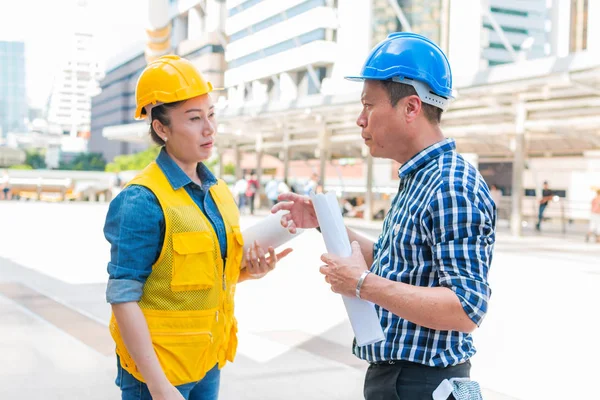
{"x":294,"y":333}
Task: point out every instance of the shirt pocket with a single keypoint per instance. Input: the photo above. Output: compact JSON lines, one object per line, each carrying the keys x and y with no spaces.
{"x":193,"y":261}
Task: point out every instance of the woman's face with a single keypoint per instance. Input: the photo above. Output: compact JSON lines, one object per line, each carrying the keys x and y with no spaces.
{"x":191,"y":134}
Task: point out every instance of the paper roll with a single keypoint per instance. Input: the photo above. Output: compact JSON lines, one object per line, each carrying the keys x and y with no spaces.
{"x":363,"y":317}
{"x":269,"y":232}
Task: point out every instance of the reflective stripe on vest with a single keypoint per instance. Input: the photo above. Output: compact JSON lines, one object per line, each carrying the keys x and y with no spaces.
{"x":188,"y":296}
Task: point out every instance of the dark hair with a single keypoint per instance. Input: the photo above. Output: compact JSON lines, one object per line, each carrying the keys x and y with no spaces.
{"x":161,"y":114}
{"x":397,"y":91}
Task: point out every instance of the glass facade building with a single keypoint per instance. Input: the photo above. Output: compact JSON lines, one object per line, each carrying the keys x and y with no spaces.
{"x":13,"y":96}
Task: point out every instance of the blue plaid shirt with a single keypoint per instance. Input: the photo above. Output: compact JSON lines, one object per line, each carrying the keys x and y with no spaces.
{"x":440,"y":231}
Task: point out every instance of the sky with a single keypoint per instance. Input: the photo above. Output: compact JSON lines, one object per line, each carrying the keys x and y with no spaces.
{"x":44,"y":26}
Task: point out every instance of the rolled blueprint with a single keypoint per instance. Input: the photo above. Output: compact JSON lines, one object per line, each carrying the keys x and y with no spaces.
{"x":268,"y":233}
{"x":362,"y":314}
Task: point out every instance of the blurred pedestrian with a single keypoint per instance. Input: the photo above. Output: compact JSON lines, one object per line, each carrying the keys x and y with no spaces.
{"x":251,"y":191}
{"x":311,"y":185}
{"x":272,"y":191}
{"x":594,"y":228}
{"x":496,"y":195}
{"x":5,"y":186}
{"x":240,"y":192}
{"x":547,"y":196}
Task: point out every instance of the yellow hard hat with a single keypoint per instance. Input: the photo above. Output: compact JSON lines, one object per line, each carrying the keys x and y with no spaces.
{"x":166,"y":80}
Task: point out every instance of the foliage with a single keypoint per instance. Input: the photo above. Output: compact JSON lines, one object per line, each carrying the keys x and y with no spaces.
{"x":21,"y":166}
{"x":229,"y":169}
{"x":85,"y":162}
{"x":133,"y":162}
{"x":35,"y":159}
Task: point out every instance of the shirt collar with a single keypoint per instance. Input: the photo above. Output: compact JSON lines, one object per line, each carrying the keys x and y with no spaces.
{"x":177,"y":178}
{"x":422,"y":158}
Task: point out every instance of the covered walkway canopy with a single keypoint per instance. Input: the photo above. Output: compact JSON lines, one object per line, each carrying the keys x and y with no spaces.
{"x":555,"y":101}
{"x":543,"y":107}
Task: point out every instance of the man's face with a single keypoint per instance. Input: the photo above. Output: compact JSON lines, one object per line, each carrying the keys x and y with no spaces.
{"x":383,"y":126}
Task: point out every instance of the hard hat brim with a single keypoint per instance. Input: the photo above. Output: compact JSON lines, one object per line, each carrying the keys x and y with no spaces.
{"x":358,"y":78}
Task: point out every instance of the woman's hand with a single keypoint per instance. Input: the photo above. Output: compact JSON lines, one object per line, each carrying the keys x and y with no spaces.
{"x":258,"y":265}
{"x":166,"y":392}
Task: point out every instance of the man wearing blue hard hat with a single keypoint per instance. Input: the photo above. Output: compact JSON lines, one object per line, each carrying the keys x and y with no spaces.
{"x":427,"y":274}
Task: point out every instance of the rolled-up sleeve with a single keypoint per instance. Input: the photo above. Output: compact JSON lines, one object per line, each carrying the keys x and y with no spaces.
{"x":134,"y":228}
{"x":462,"y":229}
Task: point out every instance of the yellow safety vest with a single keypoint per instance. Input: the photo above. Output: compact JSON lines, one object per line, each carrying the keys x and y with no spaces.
{"x":188,"y":297}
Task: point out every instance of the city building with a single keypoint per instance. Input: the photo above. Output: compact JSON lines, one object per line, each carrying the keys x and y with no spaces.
{"x":13,"y":96}
{"x":516,"y":29}
{"x":114,"y":106}
{"x":77,"y":81}
{"x":191,"y":29}
{"x":517,"y":87}
{"x":526,"y":75}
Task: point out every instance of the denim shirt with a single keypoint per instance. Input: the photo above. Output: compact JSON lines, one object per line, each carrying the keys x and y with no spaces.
{"x":135,"y":228}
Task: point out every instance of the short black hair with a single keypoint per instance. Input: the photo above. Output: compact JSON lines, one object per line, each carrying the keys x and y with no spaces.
{"x":397,"y":91}
{"x":160,"y":113}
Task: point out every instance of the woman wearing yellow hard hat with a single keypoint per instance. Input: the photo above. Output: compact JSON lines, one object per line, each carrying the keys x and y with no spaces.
{"x":176,"y":249}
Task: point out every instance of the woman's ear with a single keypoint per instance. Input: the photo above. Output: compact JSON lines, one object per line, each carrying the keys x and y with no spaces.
{"x":160,"y":129}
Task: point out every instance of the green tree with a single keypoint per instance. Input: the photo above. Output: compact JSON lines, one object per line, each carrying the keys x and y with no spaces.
{"x":229,"y":169}
{"x":85,"y":162}
{"x":35,"y":159}
{"x":21,"y":166}
{"x":133,"y":162}
{"x":211,"y":164}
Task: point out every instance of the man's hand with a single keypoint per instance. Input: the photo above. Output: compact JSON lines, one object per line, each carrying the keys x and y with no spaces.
{"x":258,"y":265}
{"x":343,"y":273}
{"x":301,"y":212}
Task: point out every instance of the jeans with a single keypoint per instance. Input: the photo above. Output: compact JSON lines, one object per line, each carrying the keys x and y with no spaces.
{"x":251,"y":203}
{"x":541,"y":215}
{"x":241,"y":200}
{"x":206,"y":389}
{"x":405,"y":380}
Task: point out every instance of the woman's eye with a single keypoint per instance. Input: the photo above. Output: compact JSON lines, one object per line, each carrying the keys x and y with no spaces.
{"x":211,"y":115}
{"x":195,"y":119}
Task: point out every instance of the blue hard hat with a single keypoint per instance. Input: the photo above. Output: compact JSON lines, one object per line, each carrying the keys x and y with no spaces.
{"x":407,"y":57}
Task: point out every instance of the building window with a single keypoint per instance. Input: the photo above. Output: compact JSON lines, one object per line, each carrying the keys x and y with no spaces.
{"x":424,"y":17}
{"x":317,"y":34}
{"x":210,"y":48}
{"x":509,"y":11}
{"x":501,"y":46}
{"x":321,"y":74}
{"x":243,"y":6}
{"x":508,"y":29}
{"x":276,"y":19}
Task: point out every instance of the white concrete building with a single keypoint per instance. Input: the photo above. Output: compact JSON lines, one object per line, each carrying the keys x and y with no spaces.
{"x":77,"y":81}
{"x":193,"y":29}
{"x":284,"y":49}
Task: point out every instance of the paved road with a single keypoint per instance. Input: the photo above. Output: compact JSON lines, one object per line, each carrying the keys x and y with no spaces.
{"x":294,"y":334}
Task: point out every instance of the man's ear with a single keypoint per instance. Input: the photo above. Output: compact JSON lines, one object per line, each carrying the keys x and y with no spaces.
{"x":412,"y":108}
